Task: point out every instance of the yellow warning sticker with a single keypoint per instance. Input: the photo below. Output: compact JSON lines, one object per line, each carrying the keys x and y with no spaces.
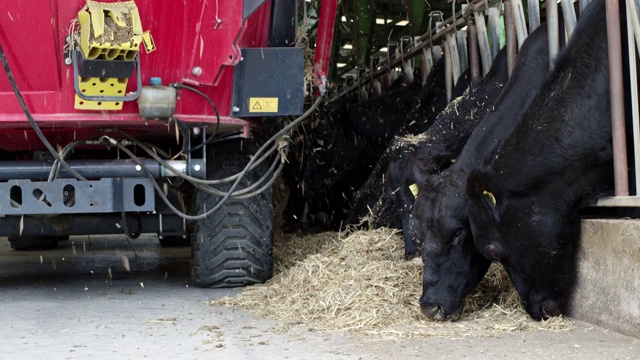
{"x":261,"y":105}
{"x":149,"y":44}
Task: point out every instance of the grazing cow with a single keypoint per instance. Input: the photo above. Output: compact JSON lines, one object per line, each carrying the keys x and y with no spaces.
{"x":523,"y":206}
{"x":452,"y":267}
{"x":426,"y":111}
{"x":341,"y":149}
{"x":411,"y":159}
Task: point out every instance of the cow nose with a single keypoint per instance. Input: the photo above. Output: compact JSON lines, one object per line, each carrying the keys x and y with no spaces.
{"x":550,"y":308}
{"x":432,"y":311}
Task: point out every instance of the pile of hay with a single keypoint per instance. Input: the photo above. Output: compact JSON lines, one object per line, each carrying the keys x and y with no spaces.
{"x":360,"y":282}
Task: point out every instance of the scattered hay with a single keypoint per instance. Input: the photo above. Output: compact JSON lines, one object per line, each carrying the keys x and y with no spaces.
{"x":410,"y":139}
{"x":113,"y":33}
{"x":359,"y":282}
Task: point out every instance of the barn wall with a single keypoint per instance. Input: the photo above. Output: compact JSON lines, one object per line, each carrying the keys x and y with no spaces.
{"x":607,"y":291}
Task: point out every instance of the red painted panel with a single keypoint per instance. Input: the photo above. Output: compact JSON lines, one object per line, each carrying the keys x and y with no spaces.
{"x":28,"y":37}
{"x":33,"y":32}
{"x":326,"y":25}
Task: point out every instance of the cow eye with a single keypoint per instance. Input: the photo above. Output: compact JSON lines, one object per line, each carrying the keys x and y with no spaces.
{"x":458,"y":235}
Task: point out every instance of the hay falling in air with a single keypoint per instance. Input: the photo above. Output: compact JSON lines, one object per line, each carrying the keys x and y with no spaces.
{"x":361,"y":283}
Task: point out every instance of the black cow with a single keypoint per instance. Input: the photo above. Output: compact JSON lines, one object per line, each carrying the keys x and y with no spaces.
{"x":340,"y":150}
{"x":418,"y":120}
{"x":432,"y":101}
{"x":411,"y":159}
{"x":452,"y":267}
{"x":523,"y":206}
{"x":425,"y":113}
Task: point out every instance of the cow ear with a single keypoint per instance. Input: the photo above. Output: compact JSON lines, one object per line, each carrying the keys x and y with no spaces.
{"x":479,"y":185}
{"x":480,"y":190}
{"x":453,"y":148}
{"x":446,"y":155}
{"x":494,"y":251}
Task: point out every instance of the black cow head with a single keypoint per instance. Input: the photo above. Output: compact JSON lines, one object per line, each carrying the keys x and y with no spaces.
{"x":530,"y":235}
{"x":409,"y":166}
{"x":452,"y":267}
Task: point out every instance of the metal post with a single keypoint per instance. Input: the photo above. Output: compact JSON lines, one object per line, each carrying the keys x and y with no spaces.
{"x":569,"y":14}
{"x":474,"y":57}
{"x":362,"y":10}
{"x":447,"y":70}
{"x":494,"y":30}
{"x":533,"y":6}
{"x":552,"y":31}
{"x":361,"y":73}
{"x":485,"y":54}
{"x":407,"y":62}
{"x":455,"y":57}
{"x":462,"y":50}
{"x":426,"y":65}
{"x":633,"y":73}
{"x":510,"y":29}
{"x":583,"y":5}
{"x":376,"y":85}
{"x":437,"y":53}
{"x":633,"y":14}
{"x":392,"y":53}
{"x":326,"y":24}
{"x":415,"y":11}
{"x":518,"y":19}
{"x":617,"y":99}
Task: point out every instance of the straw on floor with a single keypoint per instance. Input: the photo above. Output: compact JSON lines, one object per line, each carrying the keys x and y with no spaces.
{"x":359,"y":282}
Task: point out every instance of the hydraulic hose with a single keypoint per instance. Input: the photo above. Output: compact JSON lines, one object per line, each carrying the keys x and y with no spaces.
{"x":32,"y":122}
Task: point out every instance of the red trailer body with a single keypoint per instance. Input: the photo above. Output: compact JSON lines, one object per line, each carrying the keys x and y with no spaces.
{"x":154,"y":138}
{"x":187,"y":35}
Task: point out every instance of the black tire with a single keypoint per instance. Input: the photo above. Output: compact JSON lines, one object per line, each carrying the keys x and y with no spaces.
{"x":233,"y":246}
{"x":35,"y":243}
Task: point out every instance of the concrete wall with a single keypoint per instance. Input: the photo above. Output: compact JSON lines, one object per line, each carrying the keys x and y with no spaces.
{"x":607,"y":291}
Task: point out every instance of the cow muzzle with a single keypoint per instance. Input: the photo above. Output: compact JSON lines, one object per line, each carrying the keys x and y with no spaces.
{"x":437,"y":313}
{"x":550,"y":308}
{"x":543,"y":307}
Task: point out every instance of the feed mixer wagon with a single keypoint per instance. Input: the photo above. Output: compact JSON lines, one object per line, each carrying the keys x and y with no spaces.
{"x":138,"y":117}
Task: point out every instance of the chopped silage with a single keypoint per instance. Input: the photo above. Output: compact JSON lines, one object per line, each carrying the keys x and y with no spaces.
{"x":359,"y":282}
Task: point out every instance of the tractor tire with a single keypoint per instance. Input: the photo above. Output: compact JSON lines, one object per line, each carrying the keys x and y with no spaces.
{"x":233,"y":245}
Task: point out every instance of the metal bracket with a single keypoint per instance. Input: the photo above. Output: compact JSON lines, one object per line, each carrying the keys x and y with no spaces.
{"x":71,"y":196}
{"x":131,"y":97}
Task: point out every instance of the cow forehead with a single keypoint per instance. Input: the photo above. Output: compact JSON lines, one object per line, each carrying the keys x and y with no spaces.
{"x":433,"y":250}
{"x":440,"y":230}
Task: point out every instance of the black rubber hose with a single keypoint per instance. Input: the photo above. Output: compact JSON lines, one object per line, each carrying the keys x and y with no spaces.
{"x":32,"y":122}
{"x":215,"y":108}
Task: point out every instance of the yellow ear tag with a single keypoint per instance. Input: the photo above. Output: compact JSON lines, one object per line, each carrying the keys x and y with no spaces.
{"x":414,"y":189}
{"x":453,"y":160}
{"x":490,"y":196}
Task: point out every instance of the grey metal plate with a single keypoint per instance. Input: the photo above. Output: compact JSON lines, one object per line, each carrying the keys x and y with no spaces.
{"x":70,"y":196}
{"x":269,"y":82}
{"x":249,"y":6}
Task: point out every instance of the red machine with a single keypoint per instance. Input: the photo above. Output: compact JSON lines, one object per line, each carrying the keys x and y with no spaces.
{"x":137,"y":117}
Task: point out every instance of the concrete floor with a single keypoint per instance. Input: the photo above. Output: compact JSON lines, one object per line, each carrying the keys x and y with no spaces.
{"x":60,"y":304}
